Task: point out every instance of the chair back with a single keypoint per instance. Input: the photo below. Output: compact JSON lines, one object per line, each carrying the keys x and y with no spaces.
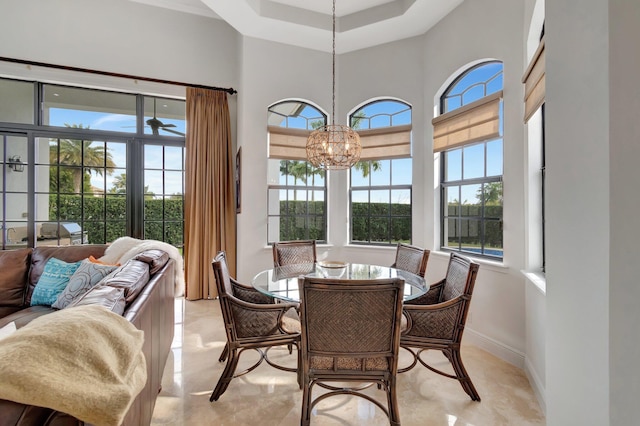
{"x":221,"y":273}
{"x":411,"y":259}
{"x":460,"y":278}
{"x":351,"y":324}
{"x":293,"y":252}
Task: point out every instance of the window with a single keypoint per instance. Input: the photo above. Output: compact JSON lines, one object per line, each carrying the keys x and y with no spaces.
{"x":380,"y":190}
{"x":468,"y":133}
{"x":91,"y":172}
{"x":297,"y":191}
{"x":534,"y":117}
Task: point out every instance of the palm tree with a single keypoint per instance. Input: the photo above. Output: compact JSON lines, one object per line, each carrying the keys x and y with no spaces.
{"x":119,"y":186}
{"x":78,"y":152}
{"x":366,"y":167}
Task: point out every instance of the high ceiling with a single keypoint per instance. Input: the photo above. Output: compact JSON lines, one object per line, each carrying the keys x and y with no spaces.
{"x":308,"y":23}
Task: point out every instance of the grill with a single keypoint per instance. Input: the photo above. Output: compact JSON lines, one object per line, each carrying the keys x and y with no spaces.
{"x":66,"y":232}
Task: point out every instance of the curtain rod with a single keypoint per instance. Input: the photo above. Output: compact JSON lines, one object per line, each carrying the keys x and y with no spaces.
{"x":230,"y":90}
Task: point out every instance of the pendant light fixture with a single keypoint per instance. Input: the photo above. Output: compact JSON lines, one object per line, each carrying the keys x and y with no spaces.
{"x":334,"y":146}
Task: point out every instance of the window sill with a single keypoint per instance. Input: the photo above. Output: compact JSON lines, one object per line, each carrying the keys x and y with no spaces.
{"x":491,"y":265}
{"x":537,"y":279}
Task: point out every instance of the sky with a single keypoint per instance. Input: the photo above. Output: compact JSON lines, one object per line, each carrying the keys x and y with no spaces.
{"x":153,"y":154}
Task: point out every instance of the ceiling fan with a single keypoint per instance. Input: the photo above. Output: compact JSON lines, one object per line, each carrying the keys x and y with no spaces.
{"x":156,"y":124}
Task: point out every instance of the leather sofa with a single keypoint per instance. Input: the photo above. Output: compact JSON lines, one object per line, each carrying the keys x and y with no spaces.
{"x":150,"y":308}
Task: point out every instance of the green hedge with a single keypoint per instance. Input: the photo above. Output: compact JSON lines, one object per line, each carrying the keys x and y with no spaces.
{"x":370,"y":222}
{"x":104,"y":218}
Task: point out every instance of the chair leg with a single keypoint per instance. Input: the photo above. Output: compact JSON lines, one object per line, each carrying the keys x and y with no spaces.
{"x":305,"y":416}
{"x":225,"y":352}
{"x":226,"y":376}
{"x":392,"y":401}
{"x":462,"y":375}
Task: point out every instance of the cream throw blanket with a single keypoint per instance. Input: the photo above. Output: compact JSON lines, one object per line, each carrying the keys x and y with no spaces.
{"x":85,"y":361}
{"x":125,"y":248}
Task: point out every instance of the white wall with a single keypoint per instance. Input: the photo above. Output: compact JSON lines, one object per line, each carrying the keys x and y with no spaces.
{"x":535,"y":283}
{"x":270,"y":72}
{"x":624,"y":155}
{"x":578,"y":216}
{"x":475,"y":31}
{"x":120,"y":36}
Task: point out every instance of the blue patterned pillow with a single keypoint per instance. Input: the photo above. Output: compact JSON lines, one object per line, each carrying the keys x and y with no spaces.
{"x":83,"y":279}
{"x":54,"y":279}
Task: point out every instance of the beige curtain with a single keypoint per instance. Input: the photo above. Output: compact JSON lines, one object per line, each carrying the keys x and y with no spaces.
{"x":210,"y":220}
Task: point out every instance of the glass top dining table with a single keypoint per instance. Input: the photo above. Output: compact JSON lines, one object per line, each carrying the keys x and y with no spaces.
{"x":282,"y":282}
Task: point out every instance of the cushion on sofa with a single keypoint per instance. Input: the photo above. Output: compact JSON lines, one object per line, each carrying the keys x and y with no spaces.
{"x":25,"y":316}
{"x":54,"y":279}
{"x":83,"y":279}
{"x":100,"y":262}
{"x":156,"y":259}
{"x":111,"y":298}
{"x":131,"y":277}
{"x":14,"y":267}
{"x":41,"y":254}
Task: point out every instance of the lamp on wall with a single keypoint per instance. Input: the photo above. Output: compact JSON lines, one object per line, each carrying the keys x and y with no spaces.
{"x":15,"y":163}
{"x":333,"y":147}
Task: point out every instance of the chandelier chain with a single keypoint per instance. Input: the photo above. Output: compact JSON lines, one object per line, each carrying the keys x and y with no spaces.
{"x":333,"y":72}
{"x":333,"y":147}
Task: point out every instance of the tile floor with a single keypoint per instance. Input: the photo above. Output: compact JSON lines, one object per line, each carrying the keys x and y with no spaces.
{"x":268,"y":396}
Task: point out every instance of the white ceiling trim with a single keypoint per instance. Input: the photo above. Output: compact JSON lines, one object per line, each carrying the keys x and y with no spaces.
{"x":308,"y":23}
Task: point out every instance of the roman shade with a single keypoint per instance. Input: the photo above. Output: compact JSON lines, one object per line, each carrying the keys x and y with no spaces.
{"x":385,"y":142}
{"x":288,"y":143}
{"x":474,"y":122}
{"x":534,"y":83}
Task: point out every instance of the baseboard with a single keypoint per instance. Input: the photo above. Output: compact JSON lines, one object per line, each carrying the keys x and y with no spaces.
{"x":502,"y":351}
{"x":536,"y":385}
{"x":512,"y":356}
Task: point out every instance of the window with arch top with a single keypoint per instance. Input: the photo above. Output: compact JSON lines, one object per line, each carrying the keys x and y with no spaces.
{"x":381,"y":182}
{"x":297,"y":191}
{"x":469,"y":137}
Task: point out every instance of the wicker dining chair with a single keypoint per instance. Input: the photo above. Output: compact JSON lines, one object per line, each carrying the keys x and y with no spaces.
{"x":411,"y":259}
{"x":292,"y":252}
{"x":250,"y":325}
{"x":350,"y":333}
{"x":436,"y":320}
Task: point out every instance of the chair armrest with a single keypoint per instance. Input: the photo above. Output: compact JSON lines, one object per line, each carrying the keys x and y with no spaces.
{"x":250,"y":294}
{"x":431,"y":297}
{"x":433,"y":321}
{"x":257,"y":319}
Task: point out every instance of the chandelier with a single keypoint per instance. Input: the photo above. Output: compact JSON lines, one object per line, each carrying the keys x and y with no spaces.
{"x":334,"y":146}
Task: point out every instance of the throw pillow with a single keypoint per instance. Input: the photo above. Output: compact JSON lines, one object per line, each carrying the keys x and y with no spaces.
{"x":86,"y":277}
{"x":100,"y":262}
{"x":54,"y":279}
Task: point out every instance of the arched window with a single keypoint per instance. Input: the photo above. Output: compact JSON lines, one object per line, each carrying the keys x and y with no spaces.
{"x":380,"y":190}
{"x":297,"y":191}
{"x":468,"y":133}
